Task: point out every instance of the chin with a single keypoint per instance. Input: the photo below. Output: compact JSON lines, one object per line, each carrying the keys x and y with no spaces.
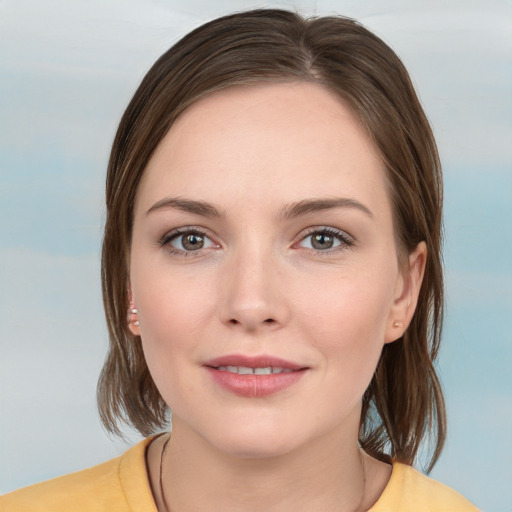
{"x":256,"y":441}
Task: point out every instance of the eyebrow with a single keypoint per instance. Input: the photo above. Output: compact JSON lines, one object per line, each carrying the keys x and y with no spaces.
{"x":290,"y":211}
{"x":187,"y":205}
{"x":317,"y":205}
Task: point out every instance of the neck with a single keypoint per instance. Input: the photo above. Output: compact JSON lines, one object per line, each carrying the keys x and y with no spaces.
{"x":327,"y":475}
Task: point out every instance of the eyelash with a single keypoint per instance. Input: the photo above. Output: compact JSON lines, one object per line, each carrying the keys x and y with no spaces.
{"x":346,"y":241}
{"x":165,"y":241}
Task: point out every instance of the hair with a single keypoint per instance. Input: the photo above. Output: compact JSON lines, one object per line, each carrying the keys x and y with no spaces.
{"x":403,"y":403}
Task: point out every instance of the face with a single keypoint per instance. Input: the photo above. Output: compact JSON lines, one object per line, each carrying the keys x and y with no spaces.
{"x":264,"y":268}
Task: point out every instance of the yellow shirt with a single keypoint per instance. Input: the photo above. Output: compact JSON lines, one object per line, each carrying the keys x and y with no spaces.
{"x":122,"y":485}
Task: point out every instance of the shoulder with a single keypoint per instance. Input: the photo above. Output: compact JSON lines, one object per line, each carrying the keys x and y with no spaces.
{"x":85,"y":490}
{"x":409,"y":490}
{"x":118,"y":485}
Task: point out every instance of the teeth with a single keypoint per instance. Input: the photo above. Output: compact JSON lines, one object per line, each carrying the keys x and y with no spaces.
{"x":245,"y":370}
{"x":281,"y":370}
{"x":263,"y":371}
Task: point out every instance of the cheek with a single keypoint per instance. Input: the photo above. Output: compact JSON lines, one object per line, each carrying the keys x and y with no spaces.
{"x":171,"y":301}
{"x":344,"y":305}
{"x":347,"y":321}
{"x":173,"y":311}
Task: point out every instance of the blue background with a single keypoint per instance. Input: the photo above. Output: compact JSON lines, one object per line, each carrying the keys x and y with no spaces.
{"x":67,"y":71}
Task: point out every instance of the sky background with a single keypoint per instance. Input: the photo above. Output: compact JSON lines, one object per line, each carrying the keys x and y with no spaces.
{"x":68,"y":70}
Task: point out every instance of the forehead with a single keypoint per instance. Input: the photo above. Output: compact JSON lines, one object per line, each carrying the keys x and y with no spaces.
{"x":280,"y":141}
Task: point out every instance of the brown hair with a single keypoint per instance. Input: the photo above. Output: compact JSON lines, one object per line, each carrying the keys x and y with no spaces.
{"x":404,"y":401}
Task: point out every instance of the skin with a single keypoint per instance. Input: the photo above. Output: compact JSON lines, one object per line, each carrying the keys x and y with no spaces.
{"x":259,"y":286}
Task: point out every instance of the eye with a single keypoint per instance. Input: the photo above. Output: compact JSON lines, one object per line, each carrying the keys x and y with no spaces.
{"x":326,"y":239}
{"x":183,"y":241}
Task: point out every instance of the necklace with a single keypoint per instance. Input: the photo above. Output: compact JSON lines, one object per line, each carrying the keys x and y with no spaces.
{"x":160,"y":476}
{"x":167,"y":509}
{"x":363,"y":495}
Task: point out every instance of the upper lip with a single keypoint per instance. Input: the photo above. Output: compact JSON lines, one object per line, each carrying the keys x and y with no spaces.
{"x":263,"y":361}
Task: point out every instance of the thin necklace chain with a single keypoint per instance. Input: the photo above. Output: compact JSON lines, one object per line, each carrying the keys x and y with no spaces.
{"x":363,"y":495}
{"x":167,"y":509}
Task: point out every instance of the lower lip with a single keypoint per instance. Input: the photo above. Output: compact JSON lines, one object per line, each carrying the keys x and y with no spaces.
{"x":255,"y":385}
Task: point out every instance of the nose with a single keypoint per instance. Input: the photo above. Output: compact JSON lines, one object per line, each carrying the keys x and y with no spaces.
{"x":253,"y":293}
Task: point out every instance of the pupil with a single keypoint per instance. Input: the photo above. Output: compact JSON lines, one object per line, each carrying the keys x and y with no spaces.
{"x":193,"y":242}
{"x":322,"y":241}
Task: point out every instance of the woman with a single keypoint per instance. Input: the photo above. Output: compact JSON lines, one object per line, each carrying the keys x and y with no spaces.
{"x":271,"y":274}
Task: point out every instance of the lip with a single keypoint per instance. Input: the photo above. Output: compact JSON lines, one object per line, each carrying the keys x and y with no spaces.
{"x":253,"y":362}
{"x":254,"y":385}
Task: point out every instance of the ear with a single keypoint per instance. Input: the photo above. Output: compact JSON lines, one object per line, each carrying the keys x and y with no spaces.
{"x":406,"y":294}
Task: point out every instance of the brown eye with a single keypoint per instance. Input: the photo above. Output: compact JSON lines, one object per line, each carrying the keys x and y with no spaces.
{"x":325,"y":239}
{"x":187,"y":241}
{"x":322,"y":241}
{"x":192,"y":241}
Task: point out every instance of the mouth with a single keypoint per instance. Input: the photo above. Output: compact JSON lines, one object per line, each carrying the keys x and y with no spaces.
{"x":254,"y":376}
{"x":253,"y":365}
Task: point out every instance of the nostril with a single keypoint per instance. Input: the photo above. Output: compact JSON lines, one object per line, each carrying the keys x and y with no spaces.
{"x":234,"y":321}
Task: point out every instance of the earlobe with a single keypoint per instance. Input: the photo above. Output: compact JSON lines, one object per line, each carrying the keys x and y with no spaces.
{"x":132,"y":318}
{"x":407,"y":293}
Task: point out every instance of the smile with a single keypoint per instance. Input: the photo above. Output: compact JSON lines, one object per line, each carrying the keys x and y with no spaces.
{"x":254,"y":376}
